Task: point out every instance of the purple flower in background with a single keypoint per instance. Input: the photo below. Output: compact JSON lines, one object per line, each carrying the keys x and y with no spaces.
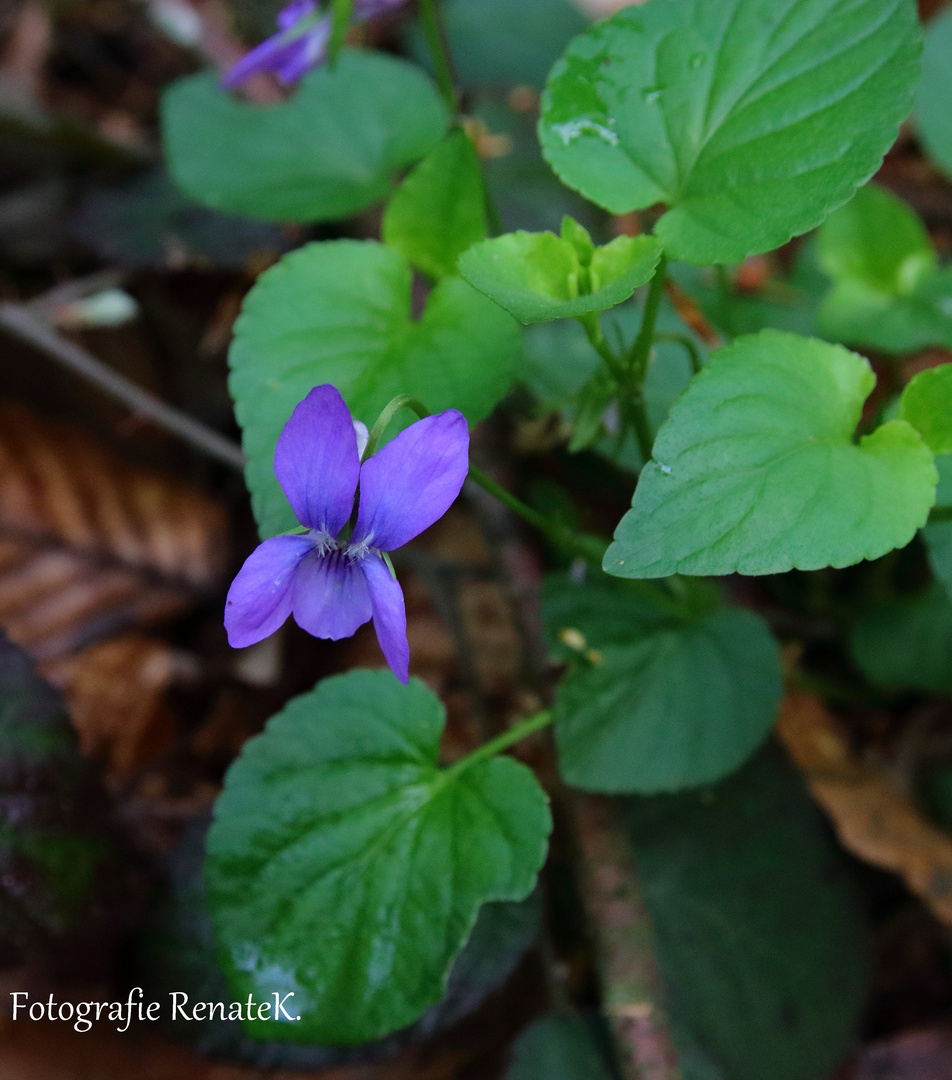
{"x":331,"y":585}
{"x":301,"y":42}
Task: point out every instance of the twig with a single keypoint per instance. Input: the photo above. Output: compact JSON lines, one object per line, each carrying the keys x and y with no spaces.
{"x":24,"y":324}
{"x":633,"y":996}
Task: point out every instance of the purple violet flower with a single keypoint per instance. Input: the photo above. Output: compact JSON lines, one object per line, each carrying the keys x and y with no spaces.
{"x":332,"y":585}
{"x":300,"y":43}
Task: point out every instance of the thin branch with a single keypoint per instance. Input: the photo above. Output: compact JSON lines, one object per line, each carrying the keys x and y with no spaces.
{"x":29,"y":327}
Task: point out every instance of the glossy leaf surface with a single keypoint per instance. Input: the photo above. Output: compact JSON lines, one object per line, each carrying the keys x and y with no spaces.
{"x":756,"y":471}
{"x":344,"y":865}
{"x":655,"y":701}
{"x":750,"y":119}
{"x":339,"y":312}
{"x":332,"y":149}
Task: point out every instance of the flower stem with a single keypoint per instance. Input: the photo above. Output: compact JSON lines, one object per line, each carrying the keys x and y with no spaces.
{"x":340,"y":24}
{"x":435,"y":36}
{"x":502,"y":742}
{"x":694,"y":354}
{"x":596,"y":338}
{"x":583,"y":545}
{"x":939,"y":514}
{"x":401,"y":401}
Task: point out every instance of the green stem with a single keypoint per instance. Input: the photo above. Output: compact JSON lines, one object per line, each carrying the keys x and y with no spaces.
{"x":592,"y":324}
{"x":502,"y":742}
{"x":641,"y":350}
{"x":940,"y":514}
{"x":340,"y":23}
{"x":588,"y":547}
{"x":390,"y":410}
{"x":439,"y":52}
{"x":638,"y":357}
{"x":694,"y":353}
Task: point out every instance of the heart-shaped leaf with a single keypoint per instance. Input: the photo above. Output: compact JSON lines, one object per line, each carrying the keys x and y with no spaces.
{"x":346,"y":867}
{"x":750,"y":119}
{"x":657,"y":701}
{"x":440,"y":209}
{"x":934,"y":107}
{"x":756,"y":471}
{"x":334,"y":148}
{"x":339,"y":312}
{"x":760,"y":935}
{"x":888,"y":291}
{"x":540,"y":276}
{"x":926,"y":403}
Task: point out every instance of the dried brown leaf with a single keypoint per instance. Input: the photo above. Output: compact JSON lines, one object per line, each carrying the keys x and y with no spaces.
{"x":115,"y":694}
{"x":91,"y":544}
{"x":873,"y":819}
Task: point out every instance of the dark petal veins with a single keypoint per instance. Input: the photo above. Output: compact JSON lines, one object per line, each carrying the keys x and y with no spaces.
{"x":316,"y":461}
{"x":331,"y":599}
{"x":260,"y":597}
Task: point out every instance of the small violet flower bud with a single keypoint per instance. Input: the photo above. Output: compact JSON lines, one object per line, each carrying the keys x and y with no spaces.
{"x":301,"y":42}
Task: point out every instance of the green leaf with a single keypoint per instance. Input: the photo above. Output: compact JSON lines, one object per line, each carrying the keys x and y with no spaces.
{"x":907,"y":643}
{"x":750,"y":119}
{"x":559,"y":1048}
{"x":506,"y":43}
{"x":888,"y":292}
{"x":926,"y":403}
{"x":756,"y":471}
{"x":760,"y":936}
{"x":934,"y":107}
{"x":339,"y":312}
{"x":178,"y":953}
{"x":539,"y":276}
{"x":334,"y":148}
{"x":655,"y":701}
{"x":440,"y":209}
{"x":345,"y":866}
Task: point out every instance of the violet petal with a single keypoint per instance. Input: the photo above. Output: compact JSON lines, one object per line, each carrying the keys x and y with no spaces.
{"x":268,"y":56}
{"x":294,"y":12}
{"x":390,"y":617}
{"x":316,"y":461}
{"x":412,"y":481}
{"x":331,"y":599}
{"x":312,"y":52}
{"x":260,"y":597}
